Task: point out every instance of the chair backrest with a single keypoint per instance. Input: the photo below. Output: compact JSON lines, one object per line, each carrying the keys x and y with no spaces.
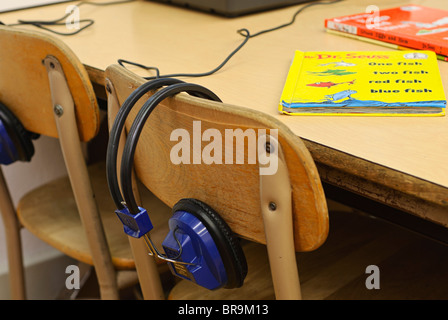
{"x":233,"y":190}
{"x":24,"y":87}
{"x":48,"y":89}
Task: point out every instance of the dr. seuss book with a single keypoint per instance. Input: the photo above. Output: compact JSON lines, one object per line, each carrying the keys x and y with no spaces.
{"x":394,"y":83}
{"x":408,"y":26}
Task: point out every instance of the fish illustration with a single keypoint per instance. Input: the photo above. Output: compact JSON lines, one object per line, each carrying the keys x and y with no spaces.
{"x":328,"y":84}
{"x":339,"y":64}
{"x":341,"y":95}
{"x":333,"y":72}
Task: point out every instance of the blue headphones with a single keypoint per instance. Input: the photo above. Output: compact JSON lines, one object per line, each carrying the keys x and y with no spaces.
{"x":200,"y":246}
{"x":15,"y":141}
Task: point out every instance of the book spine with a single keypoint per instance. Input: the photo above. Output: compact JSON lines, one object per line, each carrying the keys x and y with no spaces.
{"x":376,"y":42}
{"x":389,"y":37}
{"x":291,"y":80}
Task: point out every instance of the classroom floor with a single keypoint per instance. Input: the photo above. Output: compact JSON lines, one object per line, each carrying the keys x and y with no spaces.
{"x":411,"y":267}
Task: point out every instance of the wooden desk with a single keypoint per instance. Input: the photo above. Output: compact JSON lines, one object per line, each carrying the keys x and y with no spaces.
{"x":400,"y":162}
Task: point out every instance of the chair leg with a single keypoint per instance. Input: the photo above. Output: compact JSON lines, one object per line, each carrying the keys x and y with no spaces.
{"x":13,"y":243}
{"x":147,"y":270}
{"x":77,"y":170}
{"x":276,"y":208}
{"x":148,"y":273}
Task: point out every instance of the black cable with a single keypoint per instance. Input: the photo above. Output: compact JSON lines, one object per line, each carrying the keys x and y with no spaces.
{"x":137,"y":127}
{"x":244,"y":32}
{"x":292,"y":20}
{"x":117,"y":129}
{"x":42,"y":24}
{"x":121,"y":61}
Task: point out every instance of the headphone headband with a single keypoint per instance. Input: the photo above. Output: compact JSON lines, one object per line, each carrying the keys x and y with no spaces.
{"x":117,"y":128}
{"x":137,"y":127}
{"x":174,"y":86}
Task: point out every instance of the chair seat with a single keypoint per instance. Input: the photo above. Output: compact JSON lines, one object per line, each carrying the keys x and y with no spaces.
{"x":49,"y":212}
{"x":257,"y":285}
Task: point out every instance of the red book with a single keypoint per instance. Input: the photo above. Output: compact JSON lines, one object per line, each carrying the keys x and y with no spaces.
{"x":410,"y":26}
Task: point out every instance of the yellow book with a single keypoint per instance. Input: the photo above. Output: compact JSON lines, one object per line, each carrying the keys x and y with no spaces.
{"x":379,"y":83}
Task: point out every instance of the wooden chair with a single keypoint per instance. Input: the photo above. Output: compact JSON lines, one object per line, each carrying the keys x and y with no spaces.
{"x":44,"y":84}
{"x":285,"y":211}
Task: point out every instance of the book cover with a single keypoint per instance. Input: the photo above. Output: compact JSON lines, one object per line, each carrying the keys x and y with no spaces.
{"x":410,"y":26}
{"x":391,"y":83}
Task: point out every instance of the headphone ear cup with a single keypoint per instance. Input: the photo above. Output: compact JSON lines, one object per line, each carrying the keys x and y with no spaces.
{"x":227,"y":243}
{"x":16,"y":141}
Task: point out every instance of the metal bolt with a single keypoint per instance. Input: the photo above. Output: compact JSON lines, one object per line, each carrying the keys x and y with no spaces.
{"x":58,"y":110}
{"x":268,"y":147}
{"x":272,"y":206}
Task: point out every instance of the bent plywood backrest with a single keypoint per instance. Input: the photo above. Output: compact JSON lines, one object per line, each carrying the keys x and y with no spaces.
{"x":232,"y":189}
{"x":24,"y":86}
